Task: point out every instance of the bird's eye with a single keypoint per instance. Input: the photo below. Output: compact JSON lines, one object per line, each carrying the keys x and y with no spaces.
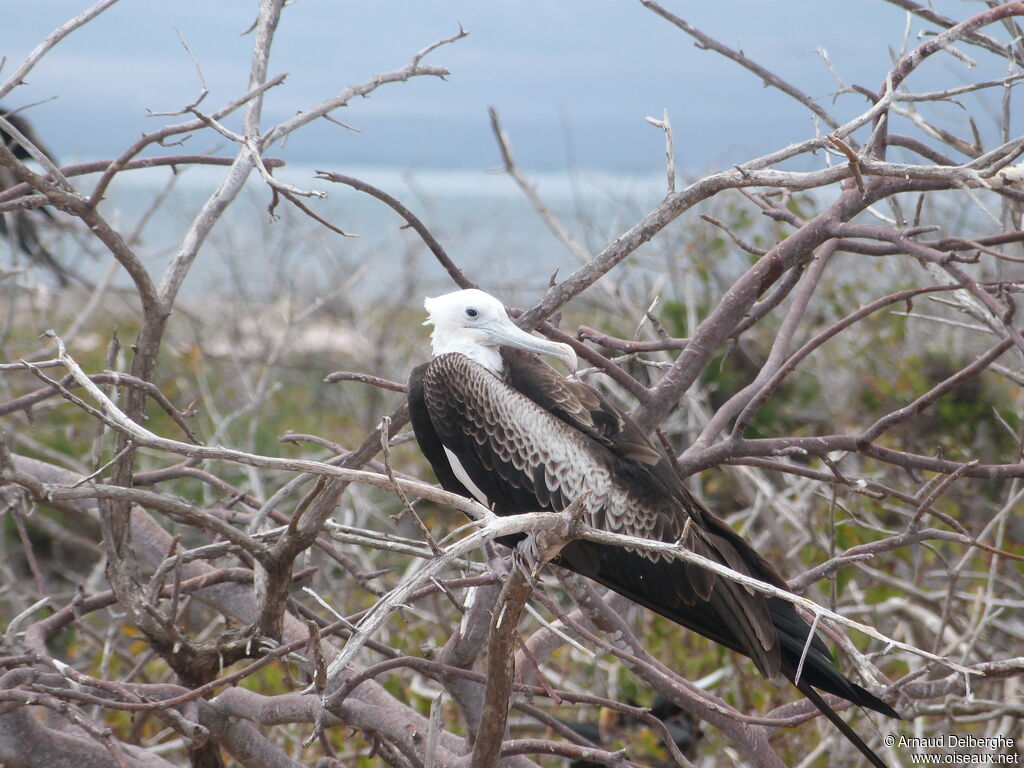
{"x":470,"y":312}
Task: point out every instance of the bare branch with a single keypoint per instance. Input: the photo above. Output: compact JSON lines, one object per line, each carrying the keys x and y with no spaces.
{"x":18,"y":76}
{"x":767,"y":77}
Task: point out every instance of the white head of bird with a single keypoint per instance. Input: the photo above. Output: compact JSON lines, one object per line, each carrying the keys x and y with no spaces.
{"x":475,"y":324}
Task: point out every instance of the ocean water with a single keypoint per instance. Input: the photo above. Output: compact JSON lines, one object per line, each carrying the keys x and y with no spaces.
{"x":479,"y":216}
{"x":254,"y":262}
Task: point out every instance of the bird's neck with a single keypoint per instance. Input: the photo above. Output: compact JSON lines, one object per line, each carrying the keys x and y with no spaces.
{"x":489,"y":357}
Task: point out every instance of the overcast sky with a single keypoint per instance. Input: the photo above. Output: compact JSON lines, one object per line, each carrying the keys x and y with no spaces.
{"x":572,"y":79}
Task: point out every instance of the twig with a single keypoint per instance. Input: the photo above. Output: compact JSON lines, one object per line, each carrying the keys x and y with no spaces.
{"x":365,"y":378}
{"x":670,"y":149}
{"x":557,"y":229}
{"x":102,"y":166}
{"x":586,"y":333}
{"x":733,"y":235}
{"x":767,"y":77}
{"x":407,"y":508}
{"x":420,"y":228}
{"x":25,"y":402}
{"x":854,"y":161}
{"x":104,"y":468}
{"x":18,"y":76}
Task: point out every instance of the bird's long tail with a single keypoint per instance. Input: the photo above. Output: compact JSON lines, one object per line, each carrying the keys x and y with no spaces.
{"x":838,"y":722}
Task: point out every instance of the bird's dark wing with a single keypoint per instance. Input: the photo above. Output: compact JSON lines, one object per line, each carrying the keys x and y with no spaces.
{"x":577,"y":405}
{"x":430,"y":444}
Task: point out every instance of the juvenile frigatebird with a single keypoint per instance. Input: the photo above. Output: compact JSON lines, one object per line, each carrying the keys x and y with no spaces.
{"x":500,"y":425}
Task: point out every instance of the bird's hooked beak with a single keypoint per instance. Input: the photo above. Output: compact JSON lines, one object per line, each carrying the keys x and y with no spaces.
{"x":502,"y":332}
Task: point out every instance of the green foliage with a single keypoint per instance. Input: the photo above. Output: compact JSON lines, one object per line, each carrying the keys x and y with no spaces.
{"x":963,"y":424}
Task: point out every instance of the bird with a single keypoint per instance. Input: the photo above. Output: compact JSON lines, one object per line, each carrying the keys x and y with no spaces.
{"x":26,"y":223}
{"x":500,"y":425}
